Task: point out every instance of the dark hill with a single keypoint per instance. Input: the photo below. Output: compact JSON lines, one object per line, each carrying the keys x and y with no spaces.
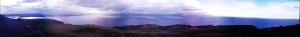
{"x":282,"y":31}
{"x":2,"y":17}
{"x":12,"y":28}
{"x":209,"y":31}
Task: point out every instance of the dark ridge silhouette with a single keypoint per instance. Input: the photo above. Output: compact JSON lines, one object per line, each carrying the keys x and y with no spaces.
{"x":2,"y":17}
{"x":182,"y":30}
{"x":281,"y":31}
{"x":13,"y":28}
{"x":21,"y":27}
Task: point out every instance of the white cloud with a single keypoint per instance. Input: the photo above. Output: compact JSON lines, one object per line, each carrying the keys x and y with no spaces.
{"x":10,"y":2}
{"x":286,"y":10}
{"x":50,"y":7}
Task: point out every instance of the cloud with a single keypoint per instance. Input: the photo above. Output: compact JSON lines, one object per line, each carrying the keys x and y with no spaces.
{"x":18,"y":7}
{"x":287,"y":10}
{"x":50,"y":7}
{"x":10,"y":2}
{"x":27,"y":1}
{"x":231,"y":8}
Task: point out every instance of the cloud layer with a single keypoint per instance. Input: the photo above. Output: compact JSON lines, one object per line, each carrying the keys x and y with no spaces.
{"x":228,"y":8}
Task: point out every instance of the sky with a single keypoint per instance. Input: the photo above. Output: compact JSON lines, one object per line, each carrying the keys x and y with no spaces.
{"x":162,"y":12}
{"x":279,"y":9}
